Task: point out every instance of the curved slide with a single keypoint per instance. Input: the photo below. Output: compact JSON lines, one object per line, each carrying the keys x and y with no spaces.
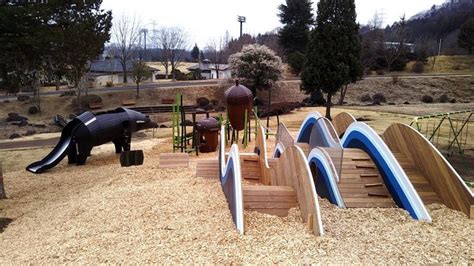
{"x":365,"y":151}
{"x":231,"y":180}
{"x":361,"y":136}
{"x":59,"y":151}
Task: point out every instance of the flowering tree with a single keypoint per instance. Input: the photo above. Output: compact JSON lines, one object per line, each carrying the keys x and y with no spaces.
{"x":256,"y":66}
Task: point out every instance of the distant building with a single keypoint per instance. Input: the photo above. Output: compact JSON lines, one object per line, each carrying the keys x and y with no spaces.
{"x":104,"y":71}
{"x":410,"y":46}
{"x":16,"y":2}
{"x":209,"y":70}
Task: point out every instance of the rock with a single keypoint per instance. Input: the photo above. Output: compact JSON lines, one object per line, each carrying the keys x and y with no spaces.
{"x":406,"y":103}
{"x":453,"y":101}
{"x":33,"y":110}
{"x":14,"y":136}
{"x":30,"y":132}
{"x":215,"y":102}
{"x":22,"y":97}
{"x":15,"y":117}
{"x":21,"y":123}
{"x":202,"y":102}
{"x":391,"y":103}
{"x":163,"y":126}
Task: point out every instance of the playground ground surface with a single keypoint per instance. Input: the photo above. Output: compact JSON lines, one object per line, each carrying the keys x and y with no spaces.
{"x":101,"y":212}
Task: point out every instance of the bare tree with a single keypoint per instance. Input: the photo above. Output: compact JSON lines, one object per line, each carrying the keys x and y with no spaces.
{"x":125,"y":36}
{"x":392,"y":51}
{"x":216,"y":51}
{"x":172,"y":41}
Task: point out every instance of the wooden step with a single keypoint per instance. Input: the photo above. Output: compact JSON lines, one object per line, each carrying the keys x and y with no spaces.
{"x":207,"y":169}
{"x":274,"y":200}
{"x":250,"y":170}
{"x":173,"y":160}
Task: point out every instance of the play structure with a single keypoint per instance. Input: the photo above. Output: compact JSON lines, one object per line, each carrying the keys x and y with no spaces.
{"x":88,"y":130}
{"x":448,"y":132}
{"x":239,"y":101}
{"x":401,"y":168}
{"x":251,"y":181}
{"x":344,"y":161}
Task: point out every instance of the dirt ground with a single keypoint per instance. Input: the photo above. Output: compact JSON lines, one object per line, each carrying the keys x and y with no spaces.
{"x":102,"y":213}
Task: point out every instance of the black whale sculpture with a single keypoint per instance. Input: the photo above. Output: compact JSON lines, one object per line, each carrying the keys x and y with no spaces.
{"x":88,"y":130}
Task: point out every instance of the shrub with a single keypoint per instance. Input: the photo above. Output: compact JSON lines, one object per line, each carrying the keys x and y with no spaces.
{"x":296,"y":61}
{"x":202,"y":102}
{"x":443,"y":98}
{"x":378,"y":98}
{"x":315,"y":99}
{"x":365,"y":98}
{"x":109,"y":84}
{"x":418,"y":67}
{"x":395,"y":78}
{"x":380,"y":72}
{"x":457,"y":67}
{"x":427,"y":99}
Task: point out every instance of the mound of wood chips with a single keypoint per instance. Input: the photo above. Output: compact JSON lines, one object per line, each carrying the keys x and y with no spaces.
{"x":107,"y":214}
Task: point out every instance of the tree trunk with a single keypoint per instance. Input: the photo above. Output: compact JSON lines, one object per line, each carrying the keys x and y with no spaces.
{"x":328,"y":107}
{"x":343,"y":94}
{"x":173,"y":73}
{"x":125,"y":75}
{"x":166,"y":72}
{"x":138,"y":89}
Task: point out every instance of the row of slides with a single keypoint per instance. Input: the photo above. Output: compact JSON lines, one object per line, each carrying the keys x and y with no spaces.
{"x":251,"y":181}
{"x":354,"y":167}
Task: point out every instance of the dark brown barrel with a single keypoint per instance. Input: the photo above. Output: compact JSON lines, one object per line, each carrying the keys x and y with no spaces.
{"x":239,"y":98}
{"x":208,"y":135}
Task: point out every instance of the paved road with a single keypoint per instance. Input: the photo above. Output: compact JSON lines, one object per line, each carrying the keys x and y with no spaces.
{"x":177,"y":84}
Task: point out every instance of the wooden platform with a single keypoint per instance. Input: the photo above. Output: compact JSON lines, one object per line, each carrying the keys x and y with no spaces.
{"x":274,"y":200}
{"x":361,"y":185}
{"x":207,"y":169}
{"x":174,"y":160}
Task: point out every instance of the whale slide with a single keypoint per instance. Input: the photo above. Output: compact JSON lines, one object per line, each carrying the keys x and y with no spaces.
{"x":59,"y":152}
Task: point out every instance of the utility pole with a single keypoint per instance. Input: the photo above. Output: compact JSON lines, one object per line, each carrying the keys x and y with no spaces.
{"x":144,"y":31}
{"x":439,"y":53}
{"x":241,"y":20}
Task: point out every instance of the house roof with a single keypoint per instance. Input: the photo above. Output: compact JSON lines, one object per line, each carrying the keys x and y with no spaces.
{"x":208,"y":66}
{"x":112,"y":66}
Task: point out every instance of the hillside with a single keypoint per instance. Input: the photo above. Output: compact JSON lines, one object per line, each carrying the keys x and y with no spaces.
{"x":440,"y":22}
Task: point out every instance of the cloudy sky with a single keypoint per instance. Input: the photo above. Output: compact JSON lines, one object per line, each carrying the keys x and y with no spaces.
{"x":206,"y":19}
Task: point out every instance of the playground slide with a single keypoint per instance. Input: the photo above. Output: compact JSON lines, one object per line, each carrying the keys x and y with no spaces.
{"x":231,"y":180}
{"x":361,"y":136}
{"x":345,"y":169}
{"x":430,"y":173}
{"x":59,"y":152}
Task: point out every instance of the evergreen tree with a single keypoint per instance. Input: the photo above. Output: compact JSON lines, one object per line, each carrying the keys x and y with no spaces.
{"x":195,"y":53}
{"x":297,"y":17}
{"x":466,"y":36}
{"x":334,"y":50}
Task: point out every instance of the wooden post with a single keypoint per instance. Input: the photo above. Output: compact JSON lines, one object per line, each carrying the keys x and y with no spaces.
{"x":3,"y":195}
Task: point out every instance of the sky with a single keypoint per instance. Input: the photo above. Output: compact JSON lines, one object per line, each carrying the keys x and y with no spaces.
{"x":204,"y":20}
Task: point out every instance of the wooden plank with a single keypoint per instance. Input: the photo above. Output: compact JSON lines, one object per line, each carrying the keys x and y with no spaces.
{"x":342,"y":121}
{"x":174,"y":160}
{"x":207,"y":169}
{"x":369,"y":175}
{"x":374,"y":185}
{"x":408,"y":145}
